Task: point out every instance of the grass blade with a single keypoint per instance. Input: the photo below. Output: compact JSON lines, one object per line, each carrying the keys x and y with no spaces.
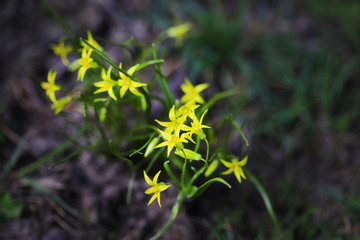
{"x":15,"y":156}
{"x":55,"y":197}
{"x":169,"y":99}
{"x":217,"y":98}
{"x":203,"y":187}
{"x":266,"y":199}
{"x":74,"y":154}
{"x":59,"y":19}
{"x":148,"y":63}
{"x":239,"y":129}
{"x":48,"y":157}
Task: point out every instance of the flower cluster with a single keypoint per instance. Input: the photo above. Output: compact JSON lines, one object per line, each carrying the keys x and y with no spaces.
{"x":183,"y":132}
{"x":86,"y":61}
{"x":176,"y":132}
{"x":50,"y":88}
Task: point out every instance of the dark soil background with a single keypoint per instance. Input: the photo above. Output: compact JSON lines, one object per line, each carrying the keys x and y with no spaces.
{"x":310,"y":168}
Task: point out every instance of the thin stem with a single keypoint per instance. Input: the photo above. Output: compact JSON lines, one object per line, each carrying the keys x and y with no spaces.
{"x":174,"y":213}
{"x":184,"y":168}
{"x":207,"y":151}
{"x":130,"y":187}
{"x":197,"y":144}
{"x":170,"y":173}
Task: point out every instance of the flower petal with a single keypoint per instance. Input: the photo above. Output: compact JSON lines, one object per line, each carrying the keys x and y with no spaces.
{"x":148,"y":180}
{"x":156,"y":177}
{"x":153,"y":198}
{"x":132,"y":69}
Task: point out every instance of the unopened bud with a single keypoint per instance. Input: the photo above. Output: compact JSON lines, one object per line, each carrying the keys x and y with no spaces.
{"x":151,"y":146}
{"x":188,"y":154}
{"x":212,"y":167}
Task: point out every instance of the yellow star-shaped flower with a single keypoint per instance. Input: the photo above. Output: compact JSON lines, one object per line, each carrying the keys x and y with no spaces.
{"x":172,"y":140}
{"x":192,"y":93}
{"x":86,"y":62}
{"x":60,"y":104}
{"x":107,"y":84}
{"x":179,"y":32}
{"x":235,"y":167}
{"x":92,"y":41}
{"x":186,"y":109}
{"x":61,"y":50}
{"x":174,"y":124}
{"x":196,"y":126}
{"x":50,"y":87}
{"x":155,"y":188}
{"x":127,"y":84}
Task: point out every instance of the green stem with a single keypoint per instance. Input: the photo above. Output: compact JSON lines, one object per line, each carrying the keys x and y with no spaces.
{"x":197,"y":144}
{"x":170,"y":173}
{"x":130,"y":187}
{"x":148,"y":105}
{"x":184,"y":169}
{"x":174,"y":213}
{"x":207,"y":150}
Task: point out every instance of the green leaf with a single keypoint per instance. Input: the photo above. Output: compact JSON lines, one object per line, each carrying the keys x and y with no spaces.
{"x":207,"y":184}
{"x":123,"y":45}
{"x":130,"y":187}
{"x":148,"y":63}
{"x":170,"y":173}
{"x":143,"y":146}
{"x":154,"y":158}
{"x":74,"y":154}
{"x":59,"y":19}
{"x":118,"y":154}
{"x":50,"y":156}
{"x":9,"y":206}
{"x":266,"y":199}
{"x":15,"y":156}
{"x":107,"y":59}
{"x":169,"y":99}
{"x":55,"y":197}
{"x":197,"y":174}
{"x":239,"y":129}
{"x":96,"y":100}
{"x":215,"y":99}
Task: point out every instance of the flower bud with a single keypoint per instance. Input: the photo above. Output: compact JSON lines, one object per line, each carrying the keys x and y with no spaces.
{"x":188,"y":154}
{"x":151,"y":146}
{"x":212,"y":167}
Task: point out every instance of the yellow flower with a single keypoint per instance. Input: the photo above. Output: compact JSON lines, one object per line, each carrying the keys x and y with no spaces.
{"x":60,"y":104}
{"x":61,"y":50}
{"x":192,"y":93}
{"x":107,"y":84}
{"x":196,"y":126}
{"x":175,"y":123}
{"x":85,"y":62}
{"x":172,"y":140}
{"x":178,"y":32}
{"x":186,"y":109}
{"x":50,"y":87}
{"x":155,"y":188}
{"x":235,"y":167}
{"x":126,"y":83}
{"x":92,"y":41}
